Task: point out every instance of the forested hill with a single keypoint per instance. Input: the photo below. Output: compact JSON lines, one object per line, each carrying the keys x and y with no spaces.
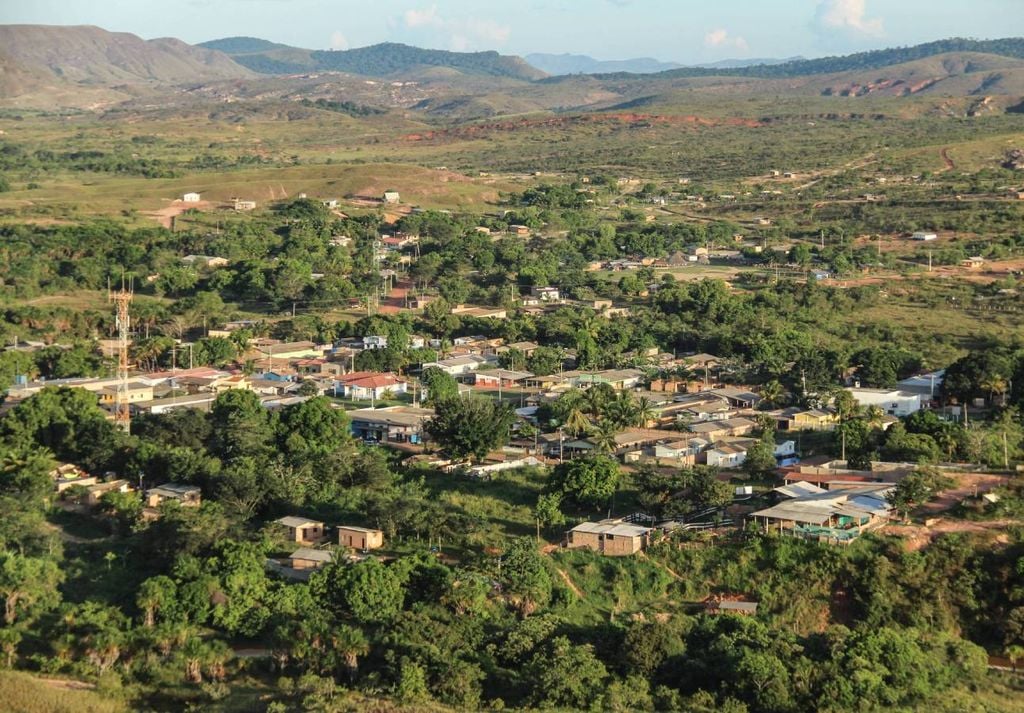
{"x":242,"y":45}
{"x":381,"y":60}
{"x":875,"y":59}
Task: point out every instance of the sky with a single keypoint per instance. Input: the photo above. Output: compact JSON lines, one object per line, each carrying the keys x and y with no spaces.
{"x":686,"y":31}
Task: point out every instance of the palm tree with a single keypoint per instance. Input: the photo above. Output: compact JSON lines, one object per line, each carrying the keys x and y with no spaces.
{"x":874,"y":416}
{"x":351,"y":643}
{"x":597,"y":397}
{"x":577,"y":421}
{"x":604,"y":436}
{"x":771,"y":393}
{"x":644,"y":412}
{"x":995,"y":384}
{"x":193,"y":654}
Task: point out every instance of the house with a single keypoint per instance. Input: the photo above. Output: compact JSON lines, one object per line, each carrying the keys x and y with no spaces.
{"x":67,"y":474}
{"x":360,"y":538}
{"x":290,"y":350}
{"x":191,"y":198}
{"x":395,"y":424}
{"x":725,"y":455}
{"x":301,"y":529}
{"x":460,"y":365}
{"x":527,"y":348}
{"x":738,"y":398}
{"x":832,"y":516}
{"x":138,"y":391}
{"x":892,"y":401}
{"x":187,"y":495}
{"x":618,"y":379}
{"x":480,"y":312}
{"x":499,"y":377}
{"x":715,"y":430}
{"x":521,"y":230}
{"x":973,"y":263}
{"x":924,"y":237}
{"x":209,"y":261}
{"x":368,"y":385}
{"x":375,"y":341}
{"x":244,"y":205}
{"x":927,"y":385}
{"x":819,"y":275}
{"x":610,"y":537}
{"x":330,"y":203}
{"x":806,"y":419}
{"x":306,"y":558}
{"x":546,"y":294}
{"x":391,"y":197}
{"x":95,"y":493}
{"x":718,"y":606}
{"x":200,"y":402}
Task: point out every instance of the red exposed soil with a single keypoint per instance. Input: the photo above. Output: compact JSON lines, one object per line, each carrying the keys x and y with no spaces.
{"x":631,"y":119}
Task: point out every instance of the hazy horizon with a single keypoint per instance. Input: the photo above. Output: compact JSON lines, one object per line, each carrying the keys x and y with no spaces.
{"x":684,"y":32}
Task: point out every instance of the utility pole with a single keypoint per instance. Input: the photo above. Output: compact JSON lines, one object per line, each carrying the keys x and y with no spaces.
{"x":122,"y":299}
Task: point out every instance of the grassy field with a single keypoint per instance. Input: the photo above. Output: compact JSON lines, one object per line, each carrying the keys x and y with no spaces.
{"x":23,"y":693}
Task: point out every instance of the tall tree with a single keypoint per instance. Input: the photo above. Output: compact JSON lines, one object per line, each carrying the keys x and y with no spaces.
{"x":470,"y":428}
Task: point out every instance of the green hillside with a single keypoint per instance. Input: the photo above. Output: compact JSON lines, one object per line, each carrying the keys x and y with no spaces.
{"x":874,"y":59}
{"x":379,"y":60}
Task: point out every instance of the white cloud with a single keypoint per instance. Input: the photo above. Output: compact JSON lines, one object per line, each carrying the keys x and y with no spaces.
{"x":422,"y":18}
{"x":722,"y":38}
{"x":339,"y":41}
{"x":460,"y":35}
{"x":847,"y":16}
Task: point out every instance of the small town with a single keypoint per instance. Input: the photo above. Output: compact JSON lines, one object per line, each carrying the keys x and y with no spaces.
{"x":427,"y":357}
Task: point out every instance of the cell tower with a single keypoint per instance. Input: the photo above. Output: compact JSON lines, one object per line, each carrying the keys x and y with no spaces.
{"x":121,"y":299}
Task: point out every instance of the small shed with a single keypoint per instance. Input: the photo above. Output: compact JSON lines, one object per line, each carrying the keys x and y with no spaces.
{"x":191,"y":198}
{"x":301,"y":529}
{"x":360,"y":538}
{"x":392,"y":197}
{"x":306,"y":558}
{"x":731,"y":607}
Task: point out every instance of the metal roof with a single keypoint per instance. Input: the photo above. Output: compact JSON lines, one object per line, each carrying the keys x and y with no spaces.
{"x":618,"y":529}
{"x":305,"y":553}
{"x":294,"y":521}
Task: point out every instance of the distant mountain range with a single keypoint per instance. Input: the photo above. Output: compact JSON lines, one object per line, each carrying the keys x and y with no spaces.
{"x":87,"y":67}
{"x":383,"y":60}
{"x":562,"y":64}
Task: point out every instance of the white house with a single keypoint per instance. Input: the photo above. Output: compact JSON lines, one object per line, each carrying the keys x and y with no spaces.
{"x":894,"y":402}
{"x":375,"y":341}
{"x":190,"y":198}
{"x":926,"y":237}
{"x":546,"y":294}
{"x":391,"y":197}
{"x":726,"y":455}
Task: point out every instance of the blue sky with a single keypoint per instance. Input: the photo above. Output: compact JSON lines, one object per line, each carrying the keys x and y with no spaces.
{"x":675,"y":30}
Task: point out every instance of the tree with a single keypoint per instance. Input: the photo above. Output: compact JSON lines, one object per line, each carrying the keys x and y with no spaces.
{"x":312,"y":429}
{"x":917,"y":488}
{"x":439,"y":385}
{"x":525,"y":579}
{"x":548,"y":511}
{"x":567,"y":676}
{"x":155,"y":594}
{"x":760,"y":460}
{"x":350,"y":643}
{"x":368,"y":591}
{"x":241,"y":425}
{"x":470,"y":428}
{"x":590,"y":481}
{"x":27,"y":585}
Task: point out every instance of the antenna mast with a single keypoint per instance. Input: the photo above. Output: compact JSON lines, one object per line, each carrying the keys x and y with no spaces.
{"x":121,"y":299}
